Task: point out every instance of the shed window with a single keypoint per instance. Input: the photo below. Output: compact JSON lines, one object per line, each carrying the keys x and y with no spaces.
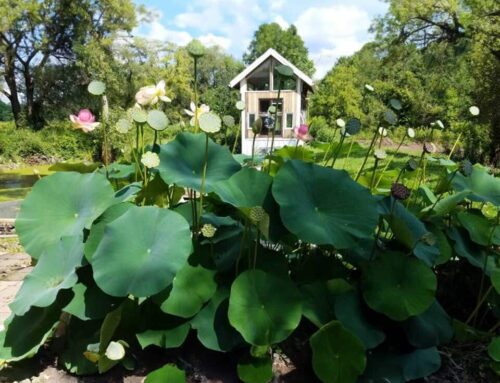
{"x":289,"y":120}
{"x":251,"y":120}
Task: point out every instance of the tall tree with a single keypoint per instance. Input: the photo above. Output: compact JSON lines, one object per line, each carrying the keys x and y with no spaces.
{"x":35,"y":34}
{"x":286,"y":41}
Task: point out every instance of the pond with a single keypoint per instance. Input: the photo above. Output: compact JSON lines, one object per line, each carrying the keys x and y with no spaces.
{"x":16,"y":183}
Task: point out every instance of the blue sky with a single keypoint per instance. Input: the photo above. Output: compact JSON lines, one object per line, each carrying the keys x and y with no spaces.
{"x":330,"y":29}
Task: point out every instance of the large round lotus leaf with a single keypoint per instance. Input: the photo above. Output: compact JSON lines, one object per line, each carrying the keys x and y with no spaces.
{"x":353,"y":126}
{"x":494,"y":349}
{"x":421,"y":363}
{"x":390,"y":117}
{"x":431,"y":328}
{"x":191,"y":288}
{"x":212,"y":324}
{"x":484,"y":186}
{"x":481,"y":230}
{"x":398,"y":285}
{"x":25,"y":334}
{"x":284,"y":70}
{"x":264,"y":308}
{"x":337,"y":354}
{"x":255,"y":370}
{"x":79,"y":335}
{"x":96,"y":88}
{"x":395,"y":104}
{"x":61,"y":205}
{"x":90,"y":302}
{"x":141,"y":251}
{"x":55,"y":271}
{"x":383,"y":367}
{"x":246,"y":188}
{"x":157,"y":119}
{"x":97,"y":228}
{"x":181,"y":162}
{"x":349,"y":311}
{"x":167,"y":374}
{"x":324,"y":206}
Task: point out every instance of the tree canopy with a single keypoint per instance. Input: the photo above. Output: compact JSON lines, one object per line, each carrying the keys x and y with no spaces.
{"x":286,"y":41}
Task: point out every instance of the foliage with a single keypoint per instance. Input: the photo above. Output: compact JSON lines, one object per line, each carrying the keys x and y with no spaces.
{"x":138,"y":253}
{"x":5,"y":113}
{"x":286,"y":41}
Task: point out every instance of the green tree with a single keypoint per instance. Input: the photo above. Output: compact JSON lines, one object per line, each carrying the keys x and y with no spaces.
{"x":286,"y":41}
{"x":35,"y":34}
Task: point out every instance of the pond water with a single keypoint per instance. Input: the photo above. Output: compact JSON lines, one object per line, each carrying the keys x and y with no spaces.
{"x":15,"y":184}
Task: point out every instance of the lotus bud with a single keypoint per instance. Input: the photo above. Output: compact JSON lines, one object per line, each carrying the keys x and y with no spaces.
{"x":474,"y":110}
{"x":466,"y":168}
{"x":411,"y":165}
{"x":256,"y":214}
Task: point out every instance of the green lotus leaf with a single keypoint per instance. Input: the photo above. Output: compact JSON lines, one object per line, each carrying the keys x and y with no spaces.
{"x":390,"y":117}
{"x":78,"y":167}
{"x":495,"y":279}
{"x":337,"y":354}
{"x":319,"y":299}
{"x":447,"y":204}
{"x":25,"y":334}
{"x":349,"y":311}
{"x":140,"y":116}
{"x":273,"y":304}
{"x":421,"y":363}
{"x":395,"y":104}
{"x":246,"y":188}
{"x":167,"y":338}
{"x":210,"y":122}
{"x":90,"y":302}
{"x":484,"y":186}
{"x":181,"y":162}
{"x":192,"y":287}
{"x":123,"y":126}
{"x":398,"y":286}
{"x":383,"y":367}
{"x":117,"y":171}
{"x":61,"y":205}
{"x":494,"y":349}
{"x":302,"y":153}
{"x":284,"y":70}
{"x":157,"y":119}
{"x":475,"y":254}
{"x":55,"y":271}
{"x":353,"y":126}
{"x":410,"y":231}
{"x":255,"y":370}
{"x":481,"y":230}
{"x":442,"y":243}
{"x":97,"y":88}
{"x":212,"y":324}
{"x":324,"y":206}
{"x":431,"y":328}
{"x":97,"y":228}
{"x":168,"y":373}
{"x":150,"y":244}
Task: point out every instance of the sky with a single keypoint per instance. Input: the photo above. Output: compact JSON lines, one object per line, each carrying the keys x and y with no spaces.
{"x":330,"y":29}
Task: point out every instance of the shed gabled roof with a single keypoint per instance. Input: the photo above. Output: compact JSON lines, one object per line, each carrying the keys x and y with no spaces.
{"x":270,"y":53}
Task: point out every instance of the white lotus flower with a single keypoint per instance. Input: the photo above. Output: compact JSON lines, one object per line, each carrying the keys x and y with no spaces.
{"x":196,"y":112}
{"x":340,"y":123}
{"x":369,"y":87}
{"x":382,"y":131}
{"x":440,"y":124}
{"x":410,"y":133}
{"x":474,"y":110}
{"x":150,"y":160}
{"x":151,"y":94}
{"x":115,"y":351}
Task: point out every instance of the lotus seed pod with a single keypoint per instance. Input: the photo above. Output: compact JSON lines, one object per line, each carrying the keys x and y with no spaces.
{"x":400,"y":191}
{"x":466,"y":168}
{"x":369,"y":88}
{"x":429,"y":239}
{"x":340,"y":122}
{"x":257,"y":126}
{"x":256,"y":214}
{"x":411,"y":165}
{"x":410,"y":132}
{"x":474,"y":110}
{"x":196,"y":49}
{"x":208,"y":230}
{"x":489,"y":210}
{"x":429,"y":147}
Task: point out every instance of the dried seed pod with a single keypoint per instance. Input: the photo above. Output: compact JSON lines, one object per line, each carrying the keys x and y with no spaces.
{"x":400,"y":191}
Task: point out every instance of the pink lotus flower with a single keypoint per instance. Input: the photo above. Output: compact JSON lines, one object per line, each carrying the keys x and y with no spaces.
{"x":84,"y":121}
{"x":302,"y":133}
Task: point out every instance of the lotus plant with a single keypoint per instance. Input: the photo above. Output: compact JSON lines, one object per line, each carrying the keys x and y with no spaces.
{"x":84,"y":120}
{"x":152,"y":94}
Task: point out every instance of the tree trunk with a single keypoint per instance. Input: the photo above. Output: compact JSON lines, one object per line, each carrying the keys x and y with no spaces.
{"x":32,"y":111}
{"x":10,"y":79}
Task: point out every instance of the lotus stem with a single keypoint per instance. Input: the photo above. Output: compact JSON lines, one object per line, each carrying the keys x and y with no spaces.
{"x":442,"y":194}
{"x":237,"y":138}
{"x":348,"y":153}
{"x":203,"y":176}
{"x":455,"y":145}
{"x":337,"y":152}
{"x":253,"y":148}
{"x":390,"y":160}
{"x":196,"y":121}
{"x":373,"y":173}
{"x":366,"y":156}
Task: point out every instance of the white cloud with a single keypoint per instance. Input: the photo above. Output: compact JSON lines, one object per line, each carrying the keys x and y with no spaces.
{"x":276,"y":5}
{"x":211,"y":40}
{"x":331,"y":32}
{"x":157,"y":31}
{"x":281,"y":21}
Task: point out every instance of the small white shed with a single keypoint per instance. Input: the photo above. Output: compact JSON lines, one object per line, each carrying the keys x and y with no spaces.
{"x":259,"y":92}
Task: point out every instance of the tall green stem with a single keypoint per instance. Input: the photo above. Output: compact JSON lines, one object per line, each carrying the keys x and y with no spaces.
{"x":366,"y":156}
{"x":373,"y":173}
{"x":253,"y":147}
{"x":196,"y":122}
{"x":455,"y":145}
{"x":337,"y":152}
{"x":348,"y":153}
{"x":203,"y":176}
{"x":390,"y":161}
